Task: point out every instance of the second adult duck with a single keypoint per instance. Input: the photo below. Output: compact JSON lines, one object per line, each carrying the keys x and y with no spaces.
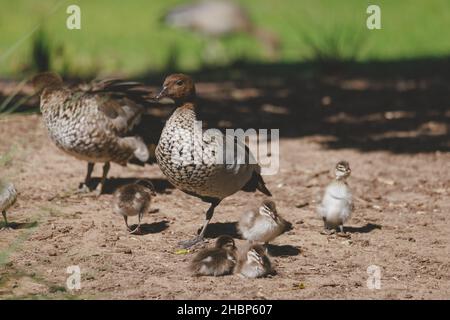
{"x":189,"y":157}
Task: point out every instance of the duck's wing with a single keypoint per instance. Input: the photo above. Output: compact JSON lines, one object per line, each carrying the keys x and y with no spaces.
{"x":118,"y":88}
{"x":236,"y":159}
{"x":122,"y":102}
{"x":209,"y":258}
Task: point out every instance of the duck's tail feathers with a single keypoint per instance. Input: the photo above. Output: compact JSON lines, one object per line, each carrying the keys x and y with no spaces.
{"x":256,"y":182}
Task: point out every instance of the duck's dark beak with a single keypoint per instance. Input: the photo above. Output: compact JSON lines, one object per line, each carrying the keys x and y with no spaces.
{"x":162,"y":93}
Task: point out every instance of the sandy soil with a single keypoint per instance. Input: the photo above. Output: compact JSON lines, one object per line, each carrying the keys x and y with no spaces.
{"x":393,"y":129}
{"x":400,"y":224}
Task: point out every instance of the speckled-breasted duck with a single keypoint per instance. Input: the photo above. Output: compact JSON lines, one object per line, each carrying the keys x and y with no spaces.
{"x":188,"y":156}
{"x":94,"y":122}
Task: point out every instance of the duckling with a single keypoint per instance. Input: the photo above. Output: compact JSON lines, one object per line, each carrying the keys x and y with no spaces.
{"x":189,"y":158}
{"x":94,"y":122}
{"x":217,"y":261}
{"x":8,"y":196}
{"x":262,"y":225}
{"x":254,"y":263}
{"x":133,"y":200}
{"x":337,"y":205}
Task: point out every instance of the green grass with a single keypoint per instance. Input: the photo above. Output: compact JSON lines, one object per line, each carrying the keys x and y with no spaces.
{"x":127,"y":37}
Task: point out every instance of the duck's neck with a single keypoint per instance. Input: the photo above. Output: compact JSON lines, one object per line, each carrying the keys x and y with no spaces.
{"x":341,"y":180}
{"x":187,"y":106}
{"x":186,"y":111}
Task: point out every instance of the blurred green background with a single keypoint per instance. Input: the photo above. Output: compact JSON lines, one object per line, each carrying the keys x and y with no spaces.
{"x":128,"y":38}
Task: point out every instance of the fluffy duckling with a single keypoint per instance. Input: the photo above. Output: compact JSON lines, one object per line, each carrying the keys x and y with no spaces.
{"x":216,"y":261}
{"x":8,"y":196}
{"x":262,"y":225}
{"x":133,"y":200}
{"x":254,"y":263}
{"x":337,"y":205}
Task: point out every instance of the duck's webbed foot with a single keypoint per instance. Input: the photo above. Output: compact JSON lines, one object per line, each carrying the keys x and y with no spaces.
{"x":342,"y":233}
{"x":83,"y":188}
{"x":328,"y":232}
{"x":186,"y":244}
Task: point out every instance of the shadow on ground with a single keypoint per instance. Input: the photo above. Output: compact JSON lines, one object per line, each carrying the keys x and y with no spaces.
{"x":19,"y":225}
{"x":282,"y":250}
{"x":217,"y":229}
{"x":150,"y":228}
{"x":112,"y":184}
{"x":399,"y":106}
{"x":369,"y":227}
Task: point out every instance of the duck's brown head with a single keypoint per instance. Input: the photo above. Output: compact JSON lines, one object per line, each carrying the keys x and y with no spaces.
{"x":225,"y":242}
{"x":46,"y":80}
{"x":178,"y":87}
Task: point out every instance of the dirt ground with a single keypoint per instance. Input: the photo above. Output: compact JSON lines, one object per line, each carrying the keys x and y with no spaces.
{"x":401,"y":224}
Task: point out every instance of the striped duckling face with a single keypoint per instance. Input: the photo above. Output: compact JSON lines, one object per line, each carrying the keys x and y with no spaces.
{"x":342,"y":170}
{"x":268,"y":209}
{"x":256,"y":255}
{"x":149,"y":187}
{"x":178,"y":87}
{"x":225,"y":242}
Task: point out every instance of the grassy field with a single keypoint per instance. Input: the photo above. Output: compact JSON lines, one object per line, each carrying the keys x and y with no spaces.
{"x":128,"y":38}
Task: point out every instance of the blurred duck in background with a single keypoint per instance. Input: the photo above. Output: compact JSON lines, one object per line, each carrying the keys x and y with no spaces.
{"x":217,"y":19}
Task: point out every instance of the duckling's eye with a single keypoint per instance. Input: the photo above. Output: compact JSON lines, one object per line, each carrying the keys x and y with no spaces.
{"x":179,"y":82}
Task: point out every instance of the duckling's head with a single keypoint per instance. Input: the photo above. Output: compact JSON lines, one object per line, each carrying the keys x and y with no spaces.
{"x":342,"y":170}
{"x":256,"y":254}
{"x":146,"y":183}
{"x":45,"y":80}
{"x":225,"y":242}
{"x":268,"y":209}
{"x":178,"y":87}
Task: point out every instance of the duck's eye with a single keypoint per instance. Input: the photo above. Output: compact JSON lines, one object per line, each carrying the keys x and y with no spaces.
{"x":179,"y":82}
